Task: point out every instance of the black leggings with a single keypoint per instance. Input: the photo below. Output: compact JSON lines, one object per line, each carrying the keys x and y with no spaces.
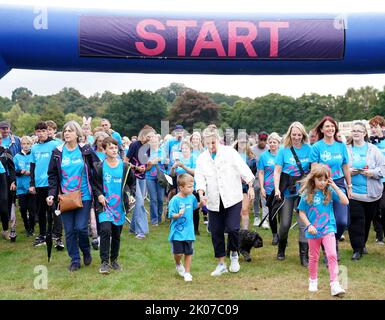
{"x":27,"y":203}
{"x":46,"y":214}
{"x":196,"y":213}
{"x":272,"y":222}
{"x":361,"y":215}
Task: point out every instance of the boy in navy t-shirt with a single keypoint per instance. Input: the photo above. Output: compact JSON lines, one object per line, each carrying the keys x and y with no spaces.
{"x":182,"y":234}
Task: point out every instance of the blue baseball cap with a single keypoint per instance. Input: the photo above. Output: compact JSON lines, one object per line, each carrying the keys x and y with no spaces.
{"x":178,"y":127}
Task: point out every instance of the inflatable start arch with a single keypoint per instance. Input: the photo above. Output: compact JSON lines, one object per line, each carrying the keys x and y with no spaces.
{"x":152,"y":42}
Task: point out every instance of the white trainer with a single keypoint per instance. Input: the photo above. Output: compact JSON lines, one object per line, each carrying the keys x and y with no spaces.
{"x":180,"y":269}
{"x":313,"y":285}
{"x":336,"y":290}
{"x":265,"y":224}
{"x":187,"y":277}
{"x":257,"y":221}
{"x":234,"y":264}
{"x":219,"y":270}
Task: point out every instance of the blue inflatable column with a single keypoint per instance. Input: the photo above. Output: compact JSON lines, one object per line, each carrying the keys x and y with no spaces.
{"x":4,"y":68}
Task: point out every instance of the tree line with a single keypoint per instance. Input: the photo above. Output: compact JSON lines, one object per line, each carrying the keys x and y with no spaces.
{"x":129,"y":112}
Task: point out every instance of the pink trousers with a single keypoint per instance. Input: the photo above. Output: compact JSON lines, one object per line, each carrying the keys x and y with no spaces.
{"x":329,"y":242}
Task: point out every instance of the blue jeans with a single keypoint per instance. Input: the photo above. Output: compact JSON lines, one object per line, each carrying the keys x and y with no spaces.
{"x":139,"y":223}
{"x":156,"y":193}
{"x":76,"y":231}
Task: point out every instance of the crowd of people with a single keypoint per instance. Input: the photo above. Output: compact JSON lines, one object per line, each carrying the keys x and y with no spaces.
{"x":86,"y":180}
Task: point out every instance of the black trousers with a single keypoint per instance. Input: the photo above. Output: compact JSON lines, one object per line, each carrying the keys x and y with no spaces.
{"x":228,"y":219}
{"x":109,"y":241}
{"x":361,"y":216}
{"x":273,"y":222}
{"x":27,"y":204}
{"x":46,"y":214}
{"x":196,"y":213}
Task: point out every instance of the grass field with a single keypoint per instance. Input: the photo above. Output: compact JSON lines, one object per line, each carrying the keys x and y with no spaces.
{"x":149,"y":272}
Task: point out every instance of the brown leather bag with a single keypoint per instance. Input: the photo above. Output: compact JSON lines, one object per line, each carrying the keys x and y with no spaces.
{"x":70,"y":201}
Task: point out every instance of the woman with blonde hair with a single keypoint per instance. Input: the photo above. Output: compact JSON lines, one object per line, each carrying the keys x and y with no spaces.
{"x":292,"y":164}
{"x":266,"y":177}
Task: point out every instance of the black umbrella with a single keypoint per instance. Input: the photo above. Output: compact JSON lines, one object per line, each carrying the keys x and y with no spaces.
{"x":274,"y":204}
{"x":48,"y":237}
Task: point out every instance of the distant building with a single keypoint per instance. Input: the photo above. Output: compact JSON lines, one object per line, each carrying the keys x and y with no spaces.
{"x":345,"y":127}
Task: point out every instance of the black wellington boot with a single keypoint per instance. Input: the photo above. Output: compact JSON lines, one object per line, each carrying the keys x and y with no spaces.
{"x":281,"y":249}
{"x":304,"y":253}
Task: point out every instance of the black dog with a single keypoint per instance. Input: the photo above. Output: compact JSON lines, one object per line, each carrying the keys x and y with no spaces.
{"x":248,"y":240}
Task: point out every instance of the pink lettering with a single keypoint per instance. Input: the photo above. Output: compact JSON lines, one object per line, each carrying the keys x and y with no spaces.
{"x":160,"y":42}
{"x":201,"y":43}
{"x":274,"y":26}
{"x":245,"y":40}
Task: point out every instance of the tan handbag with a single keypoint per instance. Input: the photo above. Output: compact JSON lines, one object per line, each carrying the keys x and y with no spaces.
{"x":72,"y":200}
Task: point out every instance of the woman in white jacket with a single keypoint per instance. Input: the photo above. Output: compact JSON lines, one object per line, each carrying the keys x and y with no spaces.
{"x":219,"y":173}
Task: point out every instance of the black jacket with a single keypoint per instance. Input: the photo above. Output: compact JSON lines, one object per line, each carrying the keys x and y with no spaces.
{"x":128,"y":185}
{"x":54,"y":168}
{"x":8,"y":164}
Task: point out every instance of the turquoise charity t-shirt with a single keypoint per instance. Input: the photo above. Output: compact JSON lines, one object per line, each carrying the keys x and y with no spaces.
{"x":334,"y":155}
{"x":41,"y":156}
{"x":182,"y":229}
{"x":194,"y":155}
{"x":5,"y":142}
{"x":170,"y":148}
{"x":321,"y":216}
{"x":72,"y":168}
{"x":266,"y":163}
{"x":22,"y":162}
{"x":2,"y":170}
{"x":359,"y":181}
{"x":286,"y":160}
{"x":117,"y":137}
{"x":100,"y":155}
{"x":152,"y":173}
{"x":112,"y":190}
{"x":188,"y":162}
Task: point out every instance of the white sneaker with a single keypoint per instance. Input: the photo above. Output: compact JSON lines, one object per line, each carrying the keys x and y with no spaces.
{"x":313,"y":285}
{"x":257,"y":221}
{"x":336,"y":289}
{"x":234,"y":265}
{"x":180,"y":269}
{"x":265,"y":224}
{"x":219,"y":270}
{"x":187,"y":277}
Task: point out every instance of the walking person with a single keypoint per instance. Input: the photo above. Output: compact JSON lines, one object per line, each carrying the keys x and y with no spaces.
{"x":243,"y":148}
{"x":367,"y":165}
{"x":316,"y":212}
{"x":155,"y":190}
{"x":27,"y":200}
{"x":266,"y":178}
{"x":71,"y":169}
{"x":40,"y":157}
{"x":292,"y":163}
{"x":115,"y":188}
{"x":218,"y":176}
{"x":137,"y":157}
{"x":331,"y":151}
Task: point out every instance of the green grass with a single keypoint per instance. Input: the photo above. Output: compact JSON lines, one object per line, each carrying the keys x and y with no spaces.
{"x":149,"y":272}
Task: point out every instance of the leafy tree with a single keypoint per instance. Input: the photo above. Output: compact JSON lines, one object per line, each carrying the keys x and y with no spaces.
{"x":192,"y":107}
{"x":70,"y":100}
{"x":22,"y":96}
{"x":134,"y":110}
{"x":73,"y":116}
{"x":13,"y":114}
{"x":25,"y":124}
{"x":5,"y":104}
{"x":171,"y":92}
{"x":55,"y":113}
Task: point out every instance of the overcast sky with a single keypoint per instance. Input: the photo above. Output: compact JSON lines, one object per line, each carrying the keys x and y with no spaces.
{"x":49,"y":82}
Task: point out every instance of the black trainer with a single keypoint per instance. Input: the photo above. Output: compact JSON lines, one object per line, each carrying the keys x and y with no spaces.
{"x":87,"y":259}
{"x":12,"y":235}
{"x":74,"y":266}
{"x":39,"y":241}
{"x":105,"y":268}
{"x":116,"y":266}
{"x":59,"y":245}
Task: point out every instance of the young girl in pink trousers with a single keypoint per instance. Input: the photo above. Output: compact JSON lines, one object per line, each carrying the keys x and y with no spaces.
{"x":318,"y":191}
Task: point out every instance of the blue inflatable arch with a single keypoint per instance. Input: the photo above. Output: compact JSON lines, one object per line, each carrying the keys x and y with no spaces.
{"x":153,"y":42}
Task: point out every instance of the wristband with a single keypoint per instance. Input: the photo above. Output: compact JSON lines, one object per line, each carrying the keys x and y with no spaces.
{"x":350,"y":185}
{"x":308,"y":227}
